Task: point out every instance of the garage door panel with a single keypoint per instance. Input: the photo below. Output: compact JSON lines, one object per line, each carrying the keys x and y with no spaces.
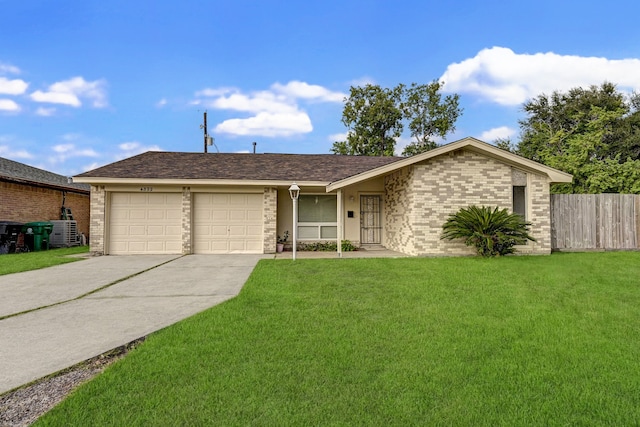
{"x":218,"y":231}
{"x":175,"y":231}
{"x":137,"y":214}
{"x":155,"y":230}
{"x":156,"y":214}
{"x":137,"y":199}
{"x":218,"y":215}
{"x":254,"y":215}
{"x":135,"y":231}
{"x":237,"y":230}
{"x":234,"y":223}
{"x":145,"y":223}
{"x":255,"y":231}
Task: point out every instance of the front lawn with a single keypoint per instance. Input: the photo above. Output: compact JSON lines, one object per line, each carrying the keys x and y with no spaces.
{"x":16,"y":263}
{"x":465,"y":341}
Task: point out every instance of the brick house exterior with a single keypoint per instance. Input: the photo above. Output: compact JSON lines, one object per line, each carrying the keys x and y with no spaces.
{"x":411,"y":199}
{"x":30,"y":194}
{"x":420,"y":198}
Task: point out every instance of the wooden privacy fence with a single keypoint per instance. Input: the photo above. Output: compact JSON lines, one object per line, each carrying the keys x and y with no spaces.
{"x":595,"y":221}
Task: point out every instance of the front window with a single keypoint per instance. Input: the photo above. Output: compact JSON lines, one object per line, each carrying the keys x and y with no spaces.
{"x":519,"y":200}
{"x":317,"y":217}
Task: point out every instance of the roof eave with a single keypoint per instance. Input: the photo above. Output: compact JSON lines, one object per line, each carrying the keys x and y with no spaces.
{"x":195,"y":182}
{"x":53,"y":186}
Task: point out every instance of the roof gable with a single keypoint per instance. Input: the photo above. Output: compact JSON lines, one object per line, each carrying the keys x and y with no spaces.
{"x":471,"y":144}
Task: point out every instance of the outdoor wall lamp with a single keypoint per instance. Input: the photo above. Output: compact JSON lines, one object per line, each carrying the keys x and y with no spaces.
{"x":294,"y":192}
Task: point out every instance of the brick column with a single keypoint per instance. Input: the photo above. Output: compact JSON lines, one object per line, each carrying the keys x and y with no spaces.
{"x":186,"y":220}
{"x":270,"y":219}
{"x":96,"y":227}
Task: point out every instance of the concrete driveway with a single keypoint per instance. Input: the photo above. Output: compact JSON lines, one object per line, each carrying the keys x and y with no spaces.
{"x":53,"y":318}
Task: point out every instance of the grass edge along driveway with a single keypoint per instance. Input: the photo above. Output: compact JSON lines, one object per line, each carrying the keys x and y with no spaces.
{"x":465,"y":341}
{"x":17,"y":263}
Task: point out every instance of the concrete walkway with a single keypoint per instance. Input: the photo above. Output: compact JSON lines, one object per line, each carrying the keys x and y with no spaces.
{"x":98,"y":304}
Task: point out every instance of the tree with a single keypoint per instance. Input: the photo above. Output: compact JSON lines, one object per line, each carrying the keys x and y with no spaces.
{"x":491,"y":231}
{"x":593,"y":133}
{"x":374,"y":120}
{"x":374,"y":117}
{"x":429,"y":115}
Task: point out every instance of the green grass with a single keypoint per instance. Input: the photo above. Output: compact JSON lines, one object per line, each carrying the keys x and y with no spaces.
{"x":16,"y":263}
{"x":465,"y":341}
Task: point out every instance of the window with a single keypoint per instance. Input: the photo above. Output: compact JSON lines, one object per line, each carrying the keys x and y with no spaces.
{"x":520,"y":200}
{"x":317,"y":217}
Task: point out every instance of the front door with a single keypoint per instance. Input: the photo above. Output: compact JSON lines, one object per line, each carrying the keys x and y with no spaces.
{"x":370,"y":220}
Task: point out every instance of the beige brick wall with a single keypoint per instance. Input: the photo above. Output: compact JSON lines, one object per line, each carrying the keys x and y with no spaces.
{"x":270,"y":215}
{"x":398,"y":222}
{"x":96,"y":228}
{"x":539,"y":214}
{"x":420,"y":199}
{"x":186,"y":220}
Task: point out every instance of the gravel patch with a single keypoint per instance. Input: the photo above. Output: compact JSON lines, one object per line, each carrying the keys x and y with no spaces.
{"x":23,"y":406}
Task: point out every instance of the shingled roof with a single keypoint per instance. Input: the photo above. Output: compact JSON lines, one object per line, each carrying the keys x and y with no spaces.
{"x":239,"y":166}
{"x":24,"y":174}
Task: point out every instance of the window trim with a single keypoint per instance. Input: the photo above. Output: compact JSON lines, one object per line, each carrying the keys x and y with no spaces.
{"x":318,"y":224}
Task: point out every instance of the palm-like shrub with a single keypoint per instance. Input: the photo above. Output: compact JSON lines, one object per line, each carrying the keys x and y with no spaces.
{"x":492,"y":231}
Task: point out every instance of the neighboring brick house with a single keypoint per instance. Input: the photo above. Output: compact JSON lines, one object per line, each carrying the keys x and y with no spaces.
{"x":30,"y":194}
{"x":162,"y":202}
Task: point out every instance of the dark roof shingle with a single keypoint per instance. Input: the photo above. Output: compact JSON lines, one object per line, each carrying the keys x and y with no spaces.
{"x":240,"y":166}
{"x":15,"y":171}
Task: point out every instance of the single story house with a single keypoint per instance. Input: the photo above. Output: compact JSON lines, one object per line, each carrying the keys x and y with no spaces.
{"x":184,"y":203}
{"x":30,"y":194}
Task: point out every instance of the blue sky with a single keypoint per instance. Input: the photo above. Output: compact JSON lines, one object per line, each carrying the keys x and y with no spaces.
{"x":86,"y":83}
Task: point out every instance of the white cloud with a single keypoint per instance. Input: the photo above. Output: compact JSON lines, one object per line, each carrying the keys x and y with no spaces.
{"x":71,"y":92}
{"x":11,"y":153}
{"x":268,"y":124}
{"x":56,"y":98}
{"x":296,"y":89}
{"x":63,"y":148}
{"x":502,"y":76}
{"x":13,"y":87}
{"x":9,"y":69}
{"x":209,"y":92}
{"x":338,"y":137}
{"x":274,"y":112}
{"x":255,"y":103}
{"x":91,"y":166}
{"x":132,"y":148}
{"x":363,"y":81}
{"x":9,"y":105}
{"x":161,"y":103}
{"x":68,"y":150}
{"x":45,"y":112}
{"x":495,"y":133}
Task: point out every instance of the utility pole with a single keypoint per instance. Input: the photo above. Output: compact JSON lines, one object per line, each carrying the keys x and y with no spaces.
{"x":205,"y":131}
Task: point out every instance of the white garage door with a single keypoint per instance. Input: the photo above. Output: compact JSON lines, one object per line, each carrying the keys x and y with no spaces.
{"x":227,"y":223}
{"x":145,"y":223}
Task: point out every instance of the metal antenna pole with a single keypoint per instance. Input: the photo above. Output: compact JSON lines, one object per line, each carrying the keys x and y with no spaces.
{"x":205,"y":132}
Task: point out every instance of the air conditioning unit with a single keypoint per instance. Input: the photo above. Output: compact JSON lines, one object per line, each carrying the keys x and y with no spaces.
{"x":64,"y":234}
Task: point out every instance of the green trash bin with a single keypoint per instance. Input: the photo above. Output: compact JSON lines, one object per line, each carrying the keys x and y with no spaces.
{"x":36,"y":235}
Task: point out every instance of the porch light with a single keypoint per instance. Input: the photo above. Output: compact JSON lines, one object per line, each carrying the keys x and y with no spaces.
{"x":294,"y":192}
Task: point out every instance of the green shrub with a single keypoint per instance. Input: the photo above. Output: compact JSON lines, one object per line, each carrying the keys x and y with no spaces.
{"x":493,"y":231}
{"x":330,"y":246}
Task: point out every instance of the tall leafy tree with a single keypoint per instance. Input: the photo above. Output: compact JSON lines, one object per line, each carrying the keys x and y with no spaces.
{"x":429,"y":115}
{"x":375,"y":118}
{"x":592,"y":133}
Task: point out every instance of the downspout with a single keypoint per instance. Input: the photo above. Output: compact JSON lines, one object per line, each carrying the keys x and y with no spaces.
{"x":340,"y":230}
